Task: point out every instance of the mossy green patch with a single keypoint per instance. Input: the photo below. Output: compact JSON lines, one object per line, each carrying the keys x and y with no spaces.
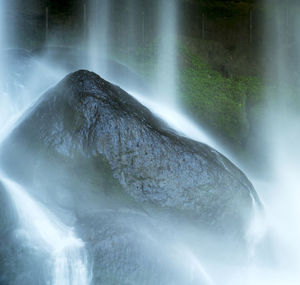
{"x":226,"y":105}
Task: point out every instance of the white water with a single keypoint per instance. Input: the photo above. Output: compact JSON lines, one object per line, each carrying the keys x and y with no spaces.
{"x":38,"y":226}
{"x":98,"y":34}
{"x":175,"y":119}
{"x":166,"y":74}
{"x":131,"y":26}
{"x":6,"y":103}
{"x":197,"y":273}
{"x":281,"y":192}
{"x":100,"y":38}
{"x":42,"y":230}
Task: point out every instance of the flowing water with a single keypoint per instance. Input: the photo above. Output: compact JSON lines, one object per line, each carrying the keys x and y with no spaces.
{"x":273,"y":236}
{"x":166,"y":82}
{"x":41,"y":228}
{"x":98,"y":34}
{"x":38,"y":226}
{"x":281,"y":192}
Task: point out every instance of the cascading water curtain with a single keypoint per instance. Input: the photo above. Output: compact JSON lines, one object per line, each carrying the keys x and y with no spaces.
{"x":166,"y":77}
{"x":98,"y":22}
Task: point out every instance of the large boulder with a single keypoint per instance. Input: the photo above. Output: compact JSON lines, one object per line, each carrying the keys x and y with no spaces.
{"x":127,"y":182}
{"x":112,"y":144}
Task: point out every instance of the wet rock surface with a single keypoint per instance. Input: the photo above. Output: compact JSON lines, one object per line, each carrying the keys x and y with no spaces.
{"x":89,"y":149}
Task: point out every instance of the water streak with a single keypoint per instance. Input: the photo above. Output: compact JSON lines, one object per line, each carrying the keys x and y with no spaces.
{"x":37,"y":224}
{"x":42,"y":229}
{"x":98,"y":34}
{"x":175,"y":119}
{"x":166,"y":77}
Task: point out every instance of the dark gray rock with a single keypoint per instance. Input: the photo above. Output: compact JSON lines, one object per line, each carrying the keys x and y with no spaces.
{"x":117,"y":153}
{"x":129,"y":185}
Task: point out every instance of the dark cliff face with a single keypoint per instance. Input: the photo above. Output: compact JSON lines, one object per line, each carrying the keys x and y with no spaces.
{"x":109,"y":141}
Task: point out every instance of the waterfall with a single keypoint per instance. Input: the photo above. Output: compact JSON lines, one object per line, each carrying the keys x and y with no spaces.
{"x":182,"y":124}
{"x":43,"y":229}
{"x":40,"y":228}
{"x":6,"y":102}
{"x":101,"y":33}
{"x":98,"y":34}
{"x":166,"y":81}
{"x":282,"y":125}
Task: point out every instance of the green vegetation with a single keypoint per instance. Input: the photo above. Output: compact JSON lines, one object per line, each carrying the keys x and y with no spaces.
{"x":226,"y":105}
